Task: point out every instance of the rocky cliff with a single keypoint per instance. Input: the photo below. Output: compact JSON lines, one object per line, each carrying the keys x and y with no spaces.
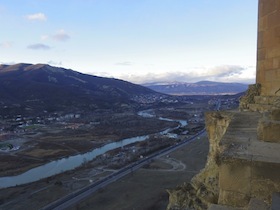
{"x":203,"y":188}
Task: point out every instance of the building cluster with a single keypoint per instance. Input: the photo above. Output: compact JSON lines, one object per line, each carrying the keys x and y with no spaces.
{"x":154,"y":98}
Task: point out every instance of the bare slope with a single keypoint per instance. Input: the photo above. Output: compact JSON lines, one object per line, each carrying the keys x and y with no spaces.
{"x":44,"y":87}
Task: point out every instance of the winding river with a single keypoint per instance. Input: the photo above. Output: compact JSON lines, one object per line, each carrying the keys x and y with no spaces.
{"x":72,"y":162}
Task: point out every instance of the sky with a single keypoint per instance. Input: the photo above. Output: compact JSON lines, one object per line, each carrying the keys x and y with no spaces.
{"x":140,"y":41}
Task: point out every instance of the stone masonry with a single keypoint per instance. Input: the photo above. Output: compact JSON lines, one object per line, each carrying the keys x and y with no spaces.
{"x":243,"y":167}
{"x":268,"y":55}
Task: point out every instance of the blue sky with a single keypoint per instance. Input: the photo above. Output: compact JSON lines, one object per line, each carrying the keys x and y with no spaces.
{"x":136,"y":40}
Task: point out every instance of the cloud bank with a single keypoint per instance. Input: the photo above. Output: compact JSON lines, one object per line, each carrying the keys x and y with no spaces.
{"x":37,"y":16}
{"x":61,"y":36}
{"x":54,"y":63}
{"x":6,"y":44}
{"x":125,"y":63}
{"x":225,"y":73}
{"x":38,"y":47}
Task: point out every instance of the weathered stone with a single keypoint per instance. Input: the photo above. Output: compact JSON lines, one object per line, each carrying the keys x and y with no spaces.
{"x":222,"y":207}
{"x":263,"y":189}
{"x":275,"y":115}
{"x":235,"y":176}
{"x":269,"y":130}
{"x":268,"y":47}
{"x":256,"y":204}
{"x":249,"y":97}
{"x":266,"y":100}
{"x":233,"y":199}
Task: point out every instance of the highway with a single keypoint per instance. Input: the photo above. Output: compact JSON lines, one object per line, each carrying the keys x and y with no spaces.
{"x":77,"y":196}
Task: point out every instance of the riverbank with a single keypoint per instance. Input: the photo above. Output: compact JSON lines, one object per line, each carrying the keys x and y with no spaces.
{"x":146,"y":186}
{"x":146,"y":189}
{"x":55,"y":142}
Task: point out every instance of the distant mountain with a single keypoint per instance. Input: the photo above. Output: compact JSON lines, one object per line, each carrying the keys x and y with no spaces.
{"x":198,"y":88}
{"x":42,"y":87}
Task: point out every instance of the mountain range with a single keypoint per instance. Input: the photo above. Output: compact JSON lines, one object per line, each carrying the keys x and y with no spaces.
{"x":28,"y":88}
{"x":43,"y":87}
{"x":198,"y":88}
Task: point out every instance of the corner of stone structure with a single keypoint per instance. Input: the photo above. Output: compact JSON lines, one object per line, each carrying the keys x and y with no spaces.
{"x":248,"y":99}
{"x":203,"y":189}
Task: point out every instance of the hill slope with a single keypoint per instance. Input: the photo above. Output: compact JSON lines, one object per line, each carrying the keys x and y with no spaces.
{"x":43,"y":87}
{"x":199,"y":88}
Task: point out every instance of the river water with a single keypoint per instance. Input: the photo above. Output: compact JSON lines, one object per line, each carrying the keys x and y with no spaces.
{"x":72,"y":162}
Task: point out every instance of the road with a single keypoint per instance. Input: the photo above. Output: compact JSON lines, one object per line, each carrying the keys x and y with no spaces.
{"x":77,"y":196}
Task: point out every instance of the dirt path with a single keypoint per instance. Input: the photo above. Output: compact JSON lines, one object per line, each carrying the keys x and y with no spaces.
{"x":177,"y":165}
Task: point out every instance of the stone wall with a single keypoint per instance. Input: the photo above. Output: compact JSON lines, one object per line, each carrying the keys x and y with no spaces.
{"x":268,"y":56}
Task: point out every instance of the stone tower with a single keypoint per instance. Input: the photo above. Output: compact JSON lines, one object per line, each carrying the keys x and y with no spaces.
{"x":268,"y":55}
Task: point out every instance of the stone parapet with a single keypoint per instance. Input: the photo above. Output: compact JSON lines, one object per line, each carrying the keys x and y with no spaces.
{"x":267,"y":100}
{"x":264,"y":104}
{"x":249,"y":168}
{"x":259,"y":108}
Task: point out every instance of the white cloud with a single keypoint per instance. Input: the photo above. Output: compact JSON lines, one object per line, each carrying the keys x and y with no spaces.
{"x":44,"y":37}
{"x":8,"y":63}
{"x":225,"y":73}
{"x":54,"y":63}
{"x":37,"y":16}
{"x":6,"y":44}
{"x":125,"y":63}
{"x":61,"y":35}
{"x":38,"y":47}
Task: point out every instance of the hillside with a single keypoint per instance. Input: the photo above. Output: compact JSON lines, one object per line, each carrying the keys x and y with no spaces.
{"x":199,"y":88}
{"x":40,"y":87}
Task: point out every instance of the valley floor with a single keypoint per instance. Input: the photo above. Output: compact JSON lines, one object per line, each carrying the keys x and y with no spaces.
{"x":146,"y":189}
{"x":143,"y":190}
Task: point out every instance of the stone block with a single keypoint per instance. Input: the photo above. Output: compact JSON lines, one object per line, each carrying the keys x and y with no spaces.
{"x":261,"y":53}
{"x":266,"y":100}
{"x":269,"y":131}
{"x":277,"y":5}
{"x":222,"y":207}
{"x":233,"y":199}
{"x":273,"y":19}
{"x":235,"y":176}
{"x":272,"y":52}
{"x":262,"y":24}
{"x":276,"y":63}
{"x":269,"y":39}
{"x":275,"y":115}
{"x":263,"y":189}
{"x":277,"y":31}
{"x":264,"y":171}
{"x":266,"y":7}
{"x":271,"y":75}
{"x":256,"y":204}
{"x":259,"y":107}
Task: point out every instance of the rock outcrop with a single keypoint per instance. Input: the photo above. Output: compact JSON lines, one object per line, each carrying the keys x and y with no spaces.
{"x":203,"y":188}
